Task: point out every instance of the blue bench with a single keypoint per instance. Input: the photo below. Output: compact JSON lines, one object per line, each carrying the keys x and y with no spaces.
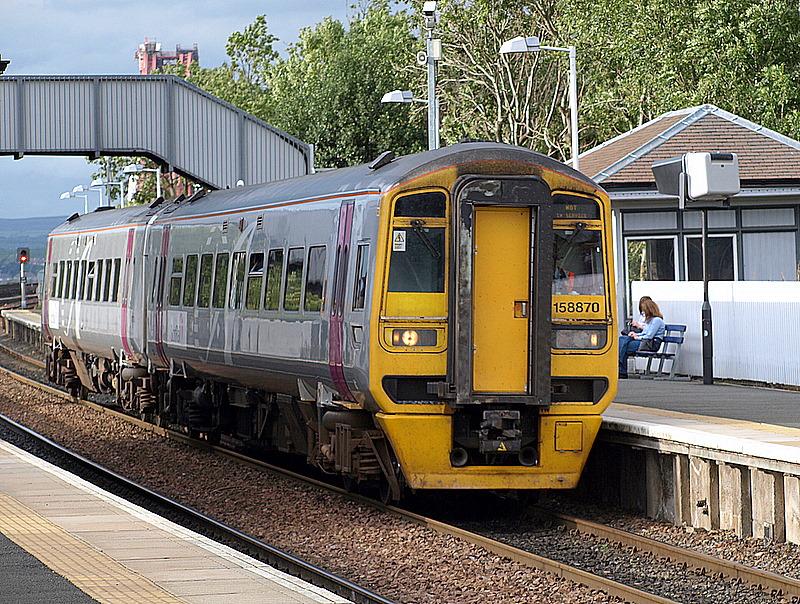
{"x":670,"y":350}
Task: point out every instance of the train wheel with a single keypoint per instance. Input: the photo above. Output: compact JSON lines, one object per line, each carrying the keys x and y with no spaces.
{"x":349,"y":483}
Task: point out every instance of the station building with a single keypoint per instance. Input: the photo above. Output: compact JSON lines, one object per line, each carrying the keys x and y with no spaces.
{"x":756,"y":239}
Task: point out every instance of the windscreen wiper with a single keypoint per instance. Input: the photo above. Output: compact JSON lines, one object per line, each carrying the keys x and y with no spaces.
{"x":417,"y":227}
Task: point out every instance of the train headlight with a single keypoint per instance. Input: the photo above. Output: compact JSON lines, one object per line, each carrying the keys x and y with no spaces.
{"x":413,"y":337}
{"x":579,"y":338}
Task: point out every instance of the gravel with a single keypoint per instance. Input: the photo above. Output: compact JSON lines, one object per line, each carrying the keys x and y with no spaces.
{"x":383,"y":552}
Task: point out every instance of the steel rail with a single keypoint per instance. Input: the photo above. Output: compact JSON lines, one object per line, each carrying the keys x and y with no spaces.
{"x":786,"y":586}
{"x":273,"y":555}
{"x":22,"y":357}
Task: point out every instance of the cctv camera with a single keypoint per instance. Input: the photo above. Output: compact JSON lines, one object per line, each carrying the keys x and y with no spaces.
{"x":429,"y":8}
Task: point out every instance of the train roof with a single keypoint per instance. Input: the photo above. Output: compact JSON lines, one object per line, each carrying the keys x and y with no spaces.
{"x":360,"y":178}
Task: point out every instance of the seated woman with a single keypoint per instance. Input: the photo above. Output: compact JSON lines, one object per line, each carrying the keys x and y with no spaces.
{"x":649,"y":339}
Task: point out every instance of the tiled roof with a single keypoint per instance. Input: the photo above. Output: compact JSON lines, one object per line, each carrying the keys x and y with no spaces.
{"x":627,"y":159}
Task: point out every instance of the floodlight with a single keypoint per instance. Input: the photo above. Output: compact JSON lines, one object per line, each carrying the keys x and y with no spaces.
{"x":132,"y":169}
{"x":66,"y":195}
{"x":398,"y":96}
{"x":429,"y":7}
{"x":521,"y":44}
{"x":97,"y":182}
{"x":78,"y":189}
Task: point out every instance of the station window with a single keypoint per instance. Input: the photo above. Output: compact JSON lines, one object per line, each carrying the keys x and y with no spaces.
{"x":272,"y":293}
{"x":220,"y":280}
{"x":360,"y":287}
{"x":206,"y":272}
{"x":315,"y":279}
{"x":107,"y":279}
{"x":292,"y":289}
{"x":90,"y":273}
{"x":255,"y":278}
{"x":176,"y":281}
{"x":190,"y":282}
{"x":116,"y":280}
{"x":237,"y":280}
{"x":98,"y":289}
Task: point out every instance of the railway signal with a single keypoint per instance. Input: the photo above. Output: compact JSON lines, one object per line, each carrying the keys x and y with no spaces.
{"x":23,"y":256}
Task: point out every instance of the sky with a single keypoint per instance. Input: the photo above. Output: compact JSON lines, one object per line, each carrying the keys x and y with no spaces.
{"x":65,"y":37}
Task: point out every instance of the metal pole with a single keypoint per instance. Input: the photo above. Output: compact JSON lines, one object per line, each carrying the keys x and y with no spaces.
{"x":708,"y":332}
{"x":23,"y":303}
{"x":433,"y":105}
{"x":573,"y":104}
{"x":158,"y":181}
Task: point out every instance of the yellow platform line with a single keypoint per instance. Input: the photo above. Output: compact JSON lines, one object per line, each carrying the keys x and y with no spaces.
{"x":93,"y":572}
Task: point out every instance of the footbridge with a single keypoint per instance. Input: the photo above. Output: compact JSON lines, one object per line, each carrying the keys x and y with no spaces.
{"x":163,"y":117}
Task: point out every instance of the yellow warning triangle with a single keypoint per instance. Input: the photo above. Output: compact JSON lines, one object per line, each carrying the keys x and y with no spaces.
{"x":502,"y":446}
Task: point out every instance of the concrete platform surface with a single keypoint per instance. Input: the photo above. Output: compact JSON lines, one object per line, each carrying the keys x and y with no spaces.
{"x":111,"y":550}
{"x":29,"y":318}
{"x":749,"y":403}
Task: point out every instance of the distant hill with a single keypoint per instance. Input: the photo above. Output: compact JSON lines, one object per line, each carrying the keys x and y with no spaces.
{"x":24,"y":232}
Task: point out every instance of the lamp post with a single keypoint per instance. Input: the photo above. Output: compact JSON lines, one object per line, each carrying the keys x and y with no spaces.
{"x":431,"y":56}
{"x":532,"y":44}
{"x":138,"y":168}
{"x":98,"y":182}
{"x":72,"y":194}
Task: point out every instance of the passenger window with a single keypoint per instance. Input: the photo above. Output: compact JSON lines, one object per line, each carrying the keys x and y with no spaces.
{"x":107,"y":279}
{"x":315,"y":279}
{"x":190,"y":287}
{"x":115,"y":283}
{"x":81,"y":281}
{"x":176,"y":281}
{"x":206,"y":272}
{"x":220,"y":280}
{"x":294,"y":279}
{"x":255,"y":277}
{"x":237,"y":280}
{"x":76,"y":265}
{"x":360,"y":286}
{"x":68,"y":280}
{"x":272,"y":294}
{"x":90,"y":281}
{"x":53,"y":279}
{"x":98,"y":290}
{"x":61,"y":276}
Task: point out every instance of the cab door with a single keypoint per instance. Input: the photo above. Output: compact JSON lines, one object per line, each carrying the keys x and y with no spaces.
{"x":500,"y":338}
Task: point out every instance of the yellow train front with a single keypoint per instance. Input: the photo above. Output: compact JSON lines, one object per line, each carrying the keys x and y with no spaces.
{"x":493,"y":349}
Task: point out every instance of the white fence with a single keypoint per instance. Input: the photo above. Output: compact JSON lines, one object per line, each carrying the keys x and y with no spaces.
{"x":756,"y":326}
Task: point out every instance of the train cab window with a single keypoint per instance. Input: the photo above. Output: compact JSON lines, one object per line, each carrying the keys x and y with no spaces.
{"x":315,"y":279}
{"x":220,"y":280}
{"x":107,"y":280}
{"x":420,"y":205}
{"x":360,"y":286}
{"x":81,"y":281}
{"x":206,"y":272}
{"x":272,"y":293}
{"x":255,"y":278}
{"x":98,"y":288}
{"x":417,"y":263}
{"x":294,"y":279}
{"x":54,"y":280}
{"x":578,"y":260}
{"x":176,"y":281}
{"x":190,"y":284}
{"x":116,"y":279}
{"x":237,"y":280}
{"x":90,"y":273}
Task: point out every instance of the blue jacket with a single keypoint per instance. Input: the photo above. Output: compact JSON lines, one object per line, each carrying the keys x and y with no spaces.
{"x":654,"y":328}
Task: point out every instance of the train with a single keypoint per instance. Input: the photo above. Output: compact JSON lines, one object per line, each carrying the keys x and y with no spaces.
{"x":441,"y":320}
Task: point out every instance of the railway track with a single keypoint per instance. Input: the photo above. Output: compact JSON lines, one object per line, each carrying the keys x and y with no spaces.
{"x":777,"y":584}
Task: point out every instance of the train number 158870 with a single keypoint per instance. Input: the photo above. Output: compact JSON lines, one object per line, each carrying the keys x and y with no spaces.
{"x":576,"y":307}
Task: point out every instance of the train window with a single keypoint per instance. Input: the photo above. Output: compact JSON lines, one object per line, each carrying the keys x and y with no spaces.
{"x":220,"y":280}
{"x":255,"y":277}
{"x":417,"y":263}
{"x":578,"y":260}
{"x":315,"y":279}
{"x":76,"y":264}
{"x":61,"y":276}
{"x":430,"y":204}
{"x":294,"y":279}
{"x":272,"y":293}
{"x":107,"y":280}
{"x":116,"y":279}
{"x":360,"y":287}
{"x":98,"y":289}
{"x":190,"y":285}
{"x":81,"y":281}
{"x":176,"y":281}
{"x":90,"y":273}
{"x":237,"y":280}
{"x":53,"y":279}
{"x":206,"y":272}
{"x":67,"y":279}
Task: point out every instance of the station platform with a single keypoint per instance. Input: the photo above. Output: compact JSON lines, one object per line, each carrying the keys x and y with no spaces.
{"x":748,"y":403}
{"x":32,"y":319}
{"x":64,"y":540}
